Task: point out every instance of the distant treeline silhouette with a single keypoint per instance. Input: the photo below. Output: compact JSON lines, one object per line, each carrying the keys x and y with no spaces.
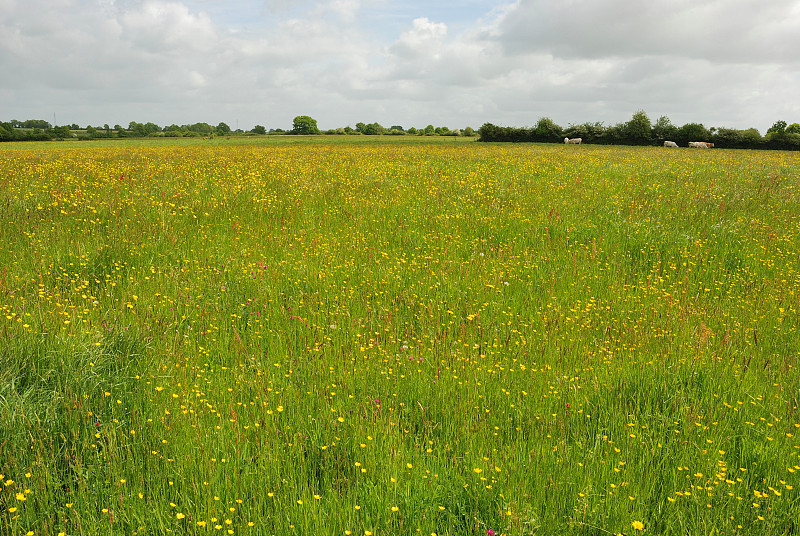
{"x":638,"y":131}
{"x":641,"y":131}
{"x":41,"y":130}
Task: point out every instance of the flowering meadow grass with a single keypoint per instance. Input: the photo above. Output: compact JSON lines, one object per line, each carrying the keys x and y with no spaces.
{"x":376,"y":338}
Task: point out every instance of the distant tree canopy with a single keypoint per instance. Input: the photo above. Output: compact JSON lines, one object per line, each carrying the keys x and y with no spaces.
{"x":304,"y":124}
{"x":640,"y":131}
{"x":371,"y":129}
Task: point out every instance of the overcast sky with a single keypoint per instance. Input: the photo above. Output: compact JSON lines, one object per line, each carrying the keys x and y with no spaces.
{"x":723,"y":63}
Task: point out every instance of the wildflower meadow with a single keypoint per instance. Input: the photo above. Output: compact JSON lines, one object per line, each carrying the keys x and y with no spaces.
{"x":368,"y":338}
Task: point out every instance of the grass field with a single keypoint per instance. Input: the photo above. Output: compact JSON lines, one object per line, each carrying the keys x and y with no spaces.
{"x":352,"y":337}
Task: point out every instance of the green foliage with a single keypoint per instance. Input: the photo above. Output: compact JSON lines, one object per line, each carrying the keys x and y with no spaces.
{"x":140,"y":130}
{"x":663,"y":130}
{"x":692,"y":132}
{"x":6,"y":132}
{"x":779,"y":127}
{"x":304,"y":124}
{"x":41,"y":124}
{"x":199,"y":128}
{"x":60,"y":133}
{"x":638,"y":129}
{"x":547,"y":130}
{"x":751,"y":137}
{"x":782,"y":136}
{"x":371,"y":129}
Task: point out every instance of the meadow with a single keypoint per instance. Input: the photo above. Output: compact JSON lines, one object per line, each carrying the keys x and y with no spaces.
{"x":352,"y":337}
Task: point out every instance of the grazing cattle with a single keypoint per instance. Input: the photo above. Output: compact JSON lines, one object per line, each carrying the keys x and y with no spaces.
{"x":709,"y":144}
{"x":670,"y":144}
{"x":576,"y":141}
{"x":698,"y":145}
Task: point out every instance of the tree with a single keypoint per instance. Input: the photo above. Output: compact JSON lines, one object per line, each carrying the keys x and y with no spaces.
{"x":200,"y":128}
{"x":34,"y":123}
{"x":151,"y":128}
{"x":577,"y":131}
{"x":638,"y":129}
{"x":468,"y":131}
{"x":692,"y":132}
{"x":304,"y":124}
{"x":223,"y":129}
{"x":259,"y":129}
{"x":412,"y":131}
{"x":373,"y":129}
{"x":615,"y":134}
{"x":794,"y":128}
{"x":60,"y":132}
{"x":6,"y":132}
{"x":173,"y":131}
{"x":779,"y":127}
{"x":752,"y":137}
{"x":137,"y":129}
{"x":430,"y":130}
{"x":547,"y":130}
{"x":663,"y":129}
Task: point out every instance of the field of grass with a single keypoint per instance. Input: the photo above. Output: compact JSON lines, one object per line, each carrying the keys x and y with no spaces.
{"x":361,"y":338}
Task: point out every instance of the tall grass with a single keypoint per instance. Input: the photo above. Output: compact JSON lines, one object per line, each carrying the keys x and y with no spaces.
{"x":397,"y":338}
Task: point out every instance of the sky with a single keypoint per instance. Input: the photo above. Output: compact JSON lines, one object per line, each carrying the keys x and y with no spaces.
{"x":723,"y":63}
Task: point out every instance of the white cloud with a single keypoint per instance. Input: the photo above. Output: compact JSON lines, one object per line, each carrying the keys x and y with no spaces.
{"x":167,"y":27}
{"x":731,"y":62}
{"x":425,"y":38}
{"x":729,"y":31}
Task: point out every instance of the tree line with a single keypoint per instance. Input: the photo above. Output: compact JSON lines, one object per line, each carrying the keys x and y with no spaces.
{"x":41,"y":130}
{"x":641,"y":131}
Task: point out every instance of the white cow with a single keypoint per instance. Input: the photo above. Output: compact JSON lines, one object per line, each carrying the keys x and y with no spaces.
{"x":670,"y":144}
{"x":576,"y":141}
{"x":698,"y":145}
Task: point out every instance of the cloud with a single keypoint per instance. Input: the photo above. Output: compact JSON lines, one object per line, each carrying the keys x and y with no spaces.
{"x":167,"y":27}
{"x":729,"y":31}
{"x":425,"y":38}
{"x":729,"y":62}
